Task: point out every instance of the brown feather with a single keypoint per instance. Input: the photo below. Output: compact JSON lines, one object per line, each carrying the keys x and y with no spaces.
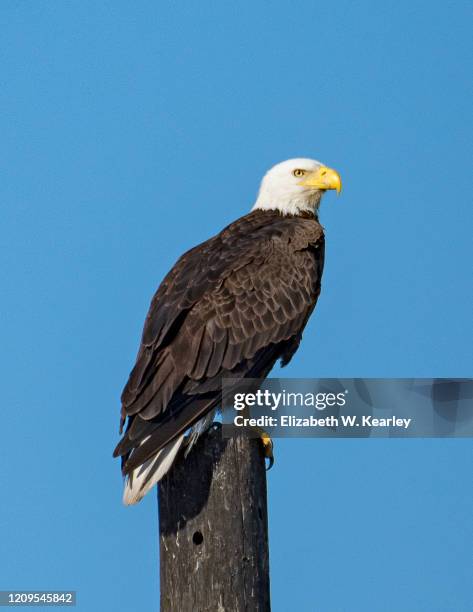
{"x":229,"y":307}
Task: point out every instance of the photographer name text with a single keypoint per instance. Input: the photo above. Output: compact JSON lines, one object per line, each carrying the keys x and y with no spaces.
{"x":313,"y":421}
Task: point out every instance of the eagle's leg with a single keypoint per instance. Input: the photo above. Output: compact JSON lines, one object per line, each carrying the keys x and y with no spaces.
{"x":268,"y":446}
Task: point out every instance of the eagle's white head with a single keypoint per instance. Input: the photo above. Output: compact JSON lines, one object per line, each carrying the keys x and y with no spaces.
{"x":296,"y":186}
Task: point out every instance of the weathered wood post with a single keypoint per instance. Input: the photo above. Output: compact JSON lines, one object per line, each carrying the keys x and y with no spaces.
{"x":213,"y":528}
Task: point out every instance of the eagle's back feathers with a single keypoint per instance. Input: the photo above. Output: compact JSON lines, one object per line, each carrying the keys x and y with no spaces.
{"x":230,"y":307}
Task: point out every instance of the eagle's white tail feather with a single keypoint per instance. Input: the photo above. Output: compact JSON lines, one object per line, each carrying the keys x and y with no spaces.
{"x":155,"y":468}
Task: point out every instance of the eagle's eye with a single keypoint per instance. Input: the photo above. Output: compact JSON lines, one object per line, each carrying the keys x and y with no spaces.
{"x":298,"y":172}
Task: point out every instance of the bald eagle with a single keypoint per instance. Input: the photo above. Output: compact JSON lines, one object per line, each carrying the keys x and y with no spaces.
{"x":229,"y":308}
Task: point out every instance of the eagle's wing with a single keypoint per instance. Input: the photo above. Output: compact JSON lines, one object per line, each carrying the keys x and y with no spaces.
{"x":198,"y":272}
{"x":231,"y":306}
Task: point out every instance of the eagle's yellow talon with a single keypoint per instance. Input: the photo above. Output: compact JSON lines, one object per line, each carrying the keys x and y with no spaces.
{"x":267,"y":448}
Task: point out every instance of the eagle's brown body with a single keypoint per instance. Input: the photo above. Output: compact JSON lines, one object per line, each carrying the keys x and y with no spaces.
{"x":230,"y":307}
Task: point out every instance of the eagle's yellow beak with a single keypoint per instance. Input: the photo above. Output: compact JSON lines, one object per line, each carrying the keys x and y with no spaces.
{"x":323,"y":178}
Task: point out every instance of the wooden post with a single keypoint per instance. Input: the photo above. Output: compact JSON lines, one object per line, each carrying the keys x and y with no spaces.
{"x":213,"y":528}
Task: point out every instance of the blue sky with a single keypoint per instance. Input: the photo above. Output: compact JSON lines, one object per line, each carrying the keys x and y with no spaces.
{"x":132,"y":131}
